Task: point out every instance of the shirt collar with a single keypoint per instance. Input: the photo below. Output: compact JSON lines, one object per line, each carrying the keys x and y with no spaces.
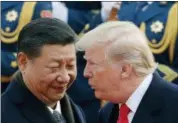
{"x":136,"y":97}
{"x":58,"y":108}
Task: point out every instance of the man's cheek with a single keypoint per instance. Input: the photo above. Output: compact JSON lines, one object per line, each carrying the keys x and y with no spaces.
{"x":50,"y":77}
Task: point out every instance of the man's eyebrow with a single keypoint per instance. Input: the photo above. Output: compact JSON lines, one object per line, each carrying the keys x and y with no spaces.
{"x":60,"y":59}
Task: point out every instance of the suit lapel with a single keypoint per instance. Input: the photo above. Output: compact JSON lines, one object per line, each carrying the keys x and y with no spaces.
{"x":37,"y":112}
{"x":114,"y":114}
{"x":142,"y":116}
{"x":67,"y":110}
{"x":79,"y":115}
{"x":151,"y":104}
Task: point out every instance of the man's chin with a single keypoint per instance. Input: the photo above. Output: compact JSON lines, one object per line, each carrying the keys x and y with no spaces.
{"x":101,"y":96}
{"x":60,"y":96}
{"x":98,"y":95}
{"x":57,"y":97}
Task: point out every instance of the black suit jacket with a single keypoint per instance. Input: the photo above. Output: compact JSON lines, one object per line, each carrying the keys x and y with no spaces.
{"x":19,"y":105}
{"x":159,"y":105}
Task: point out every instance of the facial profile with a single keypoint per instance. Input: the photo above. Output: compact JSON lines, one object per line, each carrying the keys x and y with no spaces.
{"x":104,"y":78}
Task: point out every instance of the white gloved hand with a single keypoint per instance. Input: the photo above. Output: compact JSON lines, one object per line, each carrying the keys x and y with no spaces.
{"x":107,"y":7}
{"x":60,"y":11}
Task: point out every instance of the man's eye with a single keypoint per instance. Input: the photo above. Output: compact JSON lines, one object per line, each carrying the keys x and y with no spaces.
{"x":92,"y":63}
{"x":70,"y":66}
{"x":54,"y":68}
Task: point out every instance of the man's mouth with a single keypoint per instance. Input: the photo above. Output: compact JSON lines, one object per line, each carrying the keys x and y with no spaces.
{"x":60,"y":89}
{"x":92,"y":87}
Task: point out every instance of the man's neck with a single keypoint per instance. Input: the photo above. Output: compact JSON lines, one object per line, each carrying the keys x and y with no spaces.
{"x":53,"y":106}
{"x":134,"y":83}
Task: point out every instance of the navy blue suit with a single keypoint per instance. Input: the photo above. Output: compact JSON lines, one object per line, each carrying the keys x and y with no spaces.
{"x":19,"y":105}
{"x":158,"y":105}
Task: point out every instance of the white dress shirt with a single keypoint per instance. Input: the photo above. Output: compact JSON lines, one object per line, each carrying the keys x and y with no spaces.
{"x":136,"y":97}
{"x":58,"y":108}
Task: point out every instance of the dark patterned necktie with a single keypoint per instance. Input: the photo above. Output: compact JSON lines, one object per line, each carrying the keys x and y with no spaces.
{"x":58,"y":117}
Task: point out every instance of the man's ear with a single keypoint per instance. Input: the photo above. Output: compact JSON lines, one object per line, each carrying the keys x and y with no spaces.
{"x":22,"y":61}
{"x":126,"y":70}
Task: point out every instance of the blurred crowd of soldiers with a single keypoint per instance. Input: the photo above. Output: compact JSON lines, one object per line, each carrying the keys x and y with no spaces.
{"x":158,"y":20}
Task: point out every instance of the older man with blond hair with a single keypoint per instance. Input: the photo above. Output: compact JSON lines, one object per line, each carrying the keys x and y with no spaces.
{"x":121,"y":69}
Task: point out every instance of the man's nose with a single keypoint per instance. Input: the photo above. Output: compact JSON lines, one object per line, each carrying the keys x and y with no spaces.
{"x":87,"y":72}
{"x":64,"y":76}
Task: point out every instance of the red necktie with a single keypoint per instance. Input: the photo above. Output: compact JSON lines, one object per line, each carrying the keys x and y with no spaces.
{"x":124,"y":111}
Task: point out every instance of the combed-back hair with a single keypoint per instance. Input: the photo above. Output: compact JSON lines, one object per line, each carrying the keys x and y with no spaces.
{"x":44,"y":31}
{"x":123,"y":39}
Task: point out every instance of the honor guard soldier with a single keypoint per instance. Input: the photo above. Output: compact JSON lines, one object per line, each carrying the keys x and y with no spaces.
{"x":74,"y":14}
{"x":8,"y":67}
{"x":14,"y":16}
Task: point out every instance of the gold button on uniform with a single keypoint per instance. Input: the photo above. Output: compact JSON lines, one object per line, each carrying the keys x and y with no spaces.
{"x":7,"y":29}
{"x":154,"y":41}
{"x":14,"y":64}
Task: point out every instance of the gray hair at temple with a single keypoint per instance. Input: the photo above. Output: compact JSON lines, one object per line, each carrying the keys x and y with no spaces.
{"x":123,"y":40}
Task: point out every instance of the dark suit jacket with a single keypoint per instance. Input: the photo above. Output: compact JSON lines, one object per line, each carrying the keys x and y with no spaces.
{"x":19,"y":105}
{"x":159,"y":105}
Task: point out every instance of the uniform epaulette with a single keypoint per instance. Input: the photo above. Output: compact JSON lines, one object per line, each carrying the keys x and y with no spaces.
{"x":170,"y":34}
{"x":169,"y":74}
{"x":27,"y":9}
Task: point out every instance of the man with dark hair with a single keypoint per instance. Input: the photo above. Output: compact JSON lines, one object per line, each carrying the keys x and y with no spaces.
{"x":47,"y":62}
